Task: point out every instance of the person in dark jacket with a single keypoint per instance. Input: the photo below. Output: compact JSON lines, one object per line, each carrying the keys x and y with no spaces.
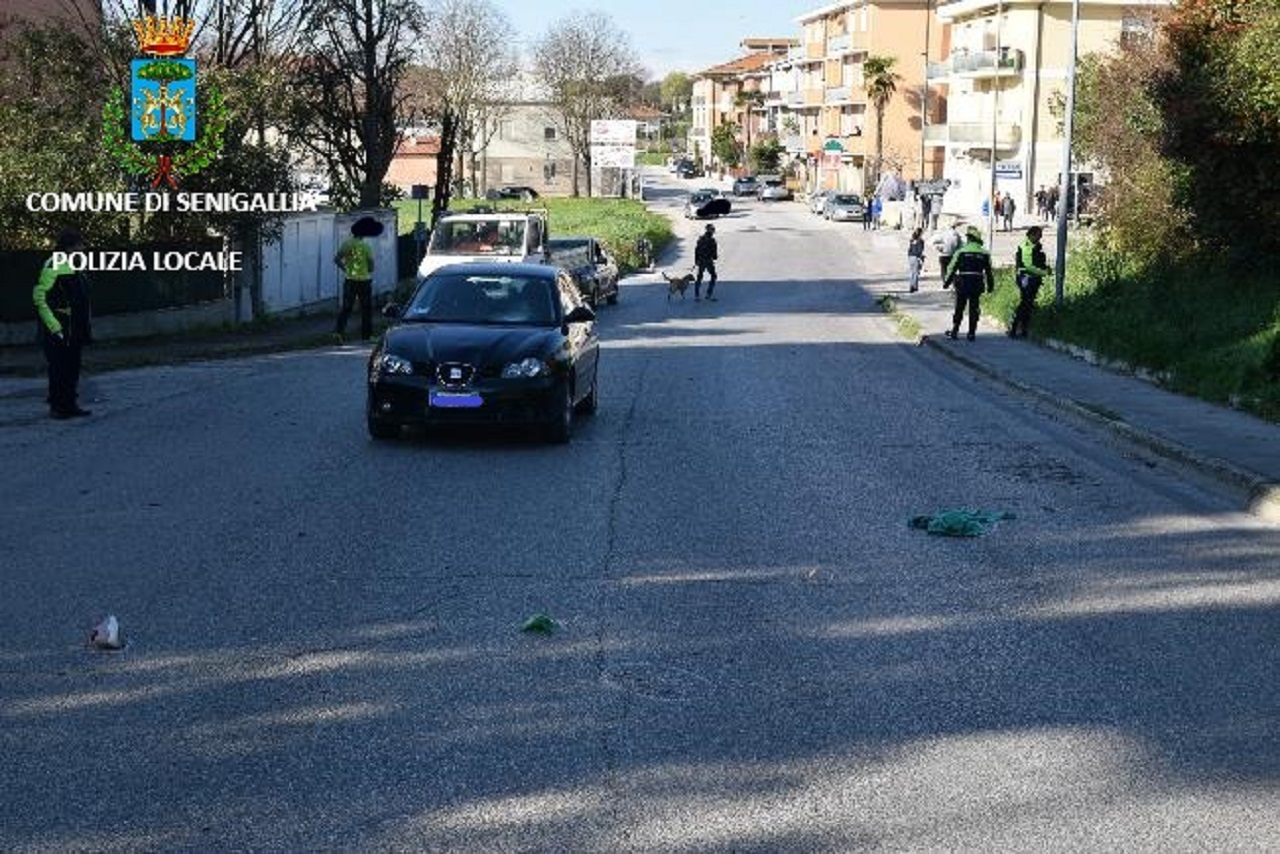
{"x":61,"y":297}
{"x":705,"y":253}
{"x":970,"y":272}
{"x":1030,"y":268}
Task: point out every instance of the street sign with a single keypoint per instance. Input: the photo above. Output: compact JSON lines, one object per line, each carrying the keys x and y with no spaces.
{"x":615,"y":156}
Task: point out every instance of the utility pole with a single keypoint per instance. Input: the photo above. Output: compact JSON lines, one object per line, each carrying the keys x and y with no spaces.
{"x":1064,"y":180}
{"x":995,"y":112}
{"x":924,"y":90}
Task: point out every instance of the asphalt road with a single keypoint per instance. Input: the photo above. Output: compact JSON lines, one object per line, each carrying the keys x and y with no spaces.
{"x":754,"y":652}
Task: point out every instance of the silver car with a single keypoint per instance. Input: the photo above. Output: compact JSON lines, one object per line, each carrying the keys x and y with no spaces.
{"x":774,"y":190}
{"x":843,"y":207}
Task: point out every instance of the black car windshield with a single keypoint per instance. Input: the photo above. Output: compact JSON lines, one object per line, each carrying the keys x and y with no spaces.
{"x":847,"y":200}
{"x":476,"y":298}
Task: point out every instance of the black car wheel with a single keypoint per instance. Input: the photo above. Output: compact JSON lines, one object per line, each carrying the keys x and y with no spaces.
{"x":589,"y":404}
{"x":560,"y":427}
{"x":383,"y":429}
{"x":613,"y":297}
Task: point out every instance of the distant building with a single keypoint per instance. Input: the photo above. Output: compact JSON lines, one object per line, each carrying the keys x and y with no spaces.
{"x":1001,"y":75}
{"x":734,"y":91}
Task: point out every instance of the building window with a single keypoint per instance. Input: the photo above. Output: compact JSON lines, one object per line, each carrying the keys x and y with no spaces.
{"x":549,"y":134}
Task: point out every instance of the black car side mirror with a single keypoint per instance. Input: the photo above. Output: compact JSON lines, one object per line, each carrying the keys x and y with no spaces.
{"x":392,"y":310}
{"x":581,"y":314}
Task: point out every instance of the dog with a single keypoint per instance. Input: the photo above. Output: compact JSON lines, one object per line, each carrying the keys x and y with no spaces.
{"x":679,"y":284}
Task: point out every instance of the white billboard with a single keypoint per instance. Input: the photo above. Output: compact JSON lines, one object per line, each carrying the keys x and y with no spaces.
{"x":613,"y":132}
{"x":617,"y":156}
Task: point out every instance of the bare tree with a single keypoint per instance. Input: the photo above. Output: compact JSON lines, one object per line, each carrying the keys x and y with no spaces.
{"x":467,"y":52}
{"x":359,"y":53}
{"x":574,"y":60}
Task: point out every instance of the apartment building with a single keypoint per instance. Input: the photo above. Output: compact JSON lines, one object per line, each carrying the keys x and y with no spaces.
{"x":715,"y":97}
{"x":819,"y":103}
{"x":1005,"y":64}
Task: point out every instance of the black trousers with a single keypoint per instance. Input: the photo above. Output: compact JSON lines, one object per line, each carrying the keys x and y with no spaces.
{"x":353,"y":289}
{"x":709,"y":267}
{"x":1022,"y":314}
{"x":64,"y":372}
{"x":966,"y":295}
{"x":944,"y":261}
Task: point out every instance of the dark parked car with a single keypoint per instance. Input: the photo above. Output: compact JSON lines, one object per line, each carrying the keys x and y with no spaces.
{"x":747,"y":185}
{"x":527,"y":194}
{"x":594,"y":272}
{"x":688,"y":169}
{"x":486,"y":343}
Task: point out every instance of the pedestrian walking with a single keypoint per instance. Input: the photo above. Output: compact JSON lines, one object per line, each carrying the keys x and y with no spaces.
{"x":868,"y":213}
{"x":946,"y":242}
{"x":1007,"y":209}
{"x":915,"y":259}
{"x":705,"y":253}
{"x":970,"y":272}
{"x":355,"y":258}
{"x":64,"y":313}
{"x":1030,"y":268}
{"x":1051,"y":208}
{"x":1041,"y":197}
{"x":877,"y":210}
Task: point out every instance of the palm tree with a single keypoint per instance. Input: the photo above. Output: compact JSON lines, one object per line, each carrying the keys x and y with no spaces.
{"x":880,"y":81}
{"x":746,"y":102}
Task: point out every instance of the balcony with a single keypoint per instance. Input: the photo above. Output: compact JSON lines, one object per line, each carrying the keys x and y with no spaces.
{"x":1007,"y":62}
{"x":773,"y":99}
{"x":795,"y":99}
{"x":836,"y":44}
{"x":937,"y":70}
{"x":839,"y":94}
{"x":936,"y":135}
{"x":978,"y":134}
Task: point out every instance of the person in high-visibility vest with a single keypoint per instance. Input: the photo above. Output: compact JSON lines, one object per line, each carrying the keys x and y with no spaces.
{"x":1030,"y":268}
{"x":61,"y":297}
{"x":356,"y":260}
{"x":969,"y":271}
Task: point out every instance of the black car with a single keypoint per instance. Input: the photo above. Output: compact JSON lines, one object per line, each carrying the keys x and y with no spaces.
{"x":527,"y":194}
{"x":486,"y":343}
{"x":688,"y":169}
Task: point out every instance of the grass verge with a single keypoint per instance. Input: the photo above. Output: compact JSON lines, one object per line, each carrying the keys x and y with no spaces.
{"x":1214,"y":332}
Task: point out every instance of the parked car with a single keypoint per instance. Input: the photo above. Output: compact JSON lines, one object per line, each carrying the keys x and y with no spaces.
{"x":706,"y":203}
{"x":818,"y":200}
{"x":774,"y":190}
{"x":593,"y":270}
{"x":843,"y":207}
{"x":688,"y":169}
{"x":484,"y":343}
{"x":747,"y":185}
{"x":527,"y":194}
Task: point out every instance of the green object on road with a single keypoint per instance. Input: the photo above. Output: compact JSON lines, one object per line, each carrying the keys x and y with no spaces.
{"x":959,"y":523}
{"x":540,"y":623}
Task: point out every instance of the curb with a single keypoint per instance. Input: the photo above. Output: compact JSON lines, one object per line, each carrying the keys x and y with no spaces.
{"x":1261,"y":497}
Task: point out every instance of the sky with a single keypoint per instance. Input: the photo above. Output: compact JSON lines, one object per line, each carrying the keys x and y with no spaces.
{"x":670,"y":35}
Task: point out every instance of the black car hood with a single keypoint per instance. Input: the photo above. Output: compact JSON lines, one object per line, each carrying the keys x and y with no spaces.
{"x":475,"y":345}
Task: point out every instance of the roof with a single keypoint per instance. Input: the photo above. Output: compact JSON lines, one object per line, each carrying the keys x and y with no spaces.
{"x":742,"y":65}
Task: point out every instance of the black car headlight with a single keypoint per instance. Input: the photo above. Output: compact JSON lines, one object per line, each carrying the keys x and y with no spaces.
{"x":525,"y":369}
{"x":390,"y":363}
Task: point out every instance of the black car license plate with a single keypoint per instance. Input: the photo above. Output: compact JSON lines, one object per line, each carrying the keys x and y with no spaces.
{"x":455,"y":399}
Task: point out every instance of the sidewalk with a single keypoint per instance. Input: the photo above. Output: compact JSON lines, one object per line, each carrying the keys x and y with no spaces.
{"x":1235,"y":449}
{"x":21,"y":366}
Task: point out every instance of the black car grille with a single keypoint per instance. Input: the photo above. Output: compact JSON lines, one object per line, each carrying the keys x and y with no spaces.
{"x":455,"y":374}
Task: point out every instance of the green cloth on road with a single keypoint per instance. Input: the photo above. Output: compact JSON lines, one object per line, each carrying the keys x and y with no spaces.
{"x":540,"y":623}
{"x":959,"y":523}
